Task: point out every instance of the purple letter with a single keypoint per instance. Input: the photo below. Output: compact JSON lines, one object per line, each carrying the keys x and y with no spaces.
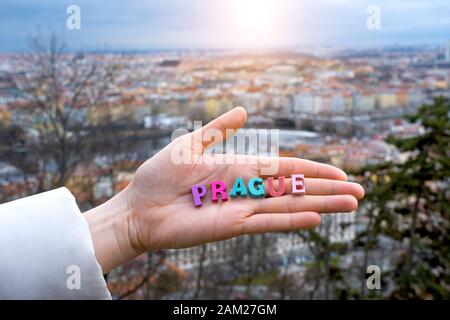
{"x":298,"y":184}
{"x":198,"y":192}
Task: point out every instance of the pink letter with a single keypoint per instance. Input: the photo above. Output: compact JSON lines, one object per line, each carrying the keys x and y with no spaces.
{"x":218,"y":186}
{"x":298,"y":184}
{"x":281,"y":187}
{"x":198,"y":192}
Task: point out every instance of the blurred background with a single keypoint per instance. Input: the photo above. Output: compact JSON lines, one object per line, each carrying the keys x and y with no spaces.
{"x":88,"y":91}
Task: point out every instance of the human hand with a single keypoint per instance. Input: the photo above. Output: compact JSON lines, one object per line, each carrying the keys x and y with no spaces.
{"x":156,"y":210}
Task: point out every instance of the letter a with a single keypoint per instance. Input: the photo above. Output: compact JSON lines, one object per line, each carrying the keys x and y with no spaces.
{"x":374,"y":19}
{"x":238,"y":189}
{"x":74,"y":19}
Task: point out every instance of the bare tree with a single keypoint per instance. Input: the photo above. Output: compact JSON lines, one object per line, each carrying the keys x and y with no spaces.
{"x":62,"y":98}
{"x":200,"y":269}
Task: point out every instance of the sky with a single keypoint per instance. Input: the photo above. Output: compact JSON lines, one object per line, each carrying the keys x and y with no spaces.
{"x":225,"y":24}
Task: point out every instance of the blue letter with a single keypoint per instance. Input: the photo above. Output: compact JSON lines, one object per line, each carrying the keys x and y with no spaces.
{"x":238,"y":189}
{"x":256,"y":193}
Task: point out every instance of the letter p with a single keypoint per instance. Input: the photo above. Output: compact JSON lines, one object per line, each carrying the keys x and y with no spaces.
{"x":198,"y":192}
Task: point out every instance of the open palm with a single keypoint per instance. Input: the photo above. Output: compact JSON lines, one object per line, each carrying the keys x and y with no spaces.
{"x":162,"y":213}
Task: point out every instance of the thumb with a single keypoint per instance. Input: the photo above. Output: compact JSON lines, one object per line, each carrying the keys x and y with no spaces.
{"x":221,"y":128}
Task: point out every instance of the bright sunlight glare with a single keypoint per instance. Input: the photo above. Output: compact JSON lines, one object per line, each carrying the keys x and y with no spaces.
{"x":255,"y":15}
{"x":255,"y":23}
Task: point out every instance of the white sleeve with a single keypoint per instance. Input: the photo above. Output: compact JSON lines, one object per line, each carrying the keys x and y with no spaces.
{"x":46,"y":250}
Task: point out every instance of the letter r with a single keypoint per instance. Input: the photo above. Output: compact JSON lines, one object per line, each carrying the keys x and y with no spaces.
{"x":218,"y":186}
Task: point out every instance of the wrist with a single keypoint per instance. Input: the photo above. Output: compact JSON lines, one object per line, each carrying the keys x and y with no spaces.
{"x":110,"y":224}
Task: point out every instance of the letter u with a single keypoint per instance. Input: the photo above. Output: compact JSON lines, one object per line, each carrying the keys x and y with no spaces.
{"x":281,"y":187}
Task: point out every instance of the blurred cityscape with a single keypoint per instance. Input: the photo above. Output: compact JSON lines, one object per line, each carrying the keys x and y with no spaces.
{"x":336,"y":106}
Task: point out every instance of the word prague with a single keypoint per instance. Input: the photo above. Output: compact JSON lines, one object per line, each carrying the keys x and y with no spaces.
{"x":255,"y":189}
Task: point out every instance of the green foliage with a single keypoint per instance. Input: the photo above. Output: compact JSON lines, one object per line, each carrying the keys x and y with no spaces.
{"x":409,"y":203}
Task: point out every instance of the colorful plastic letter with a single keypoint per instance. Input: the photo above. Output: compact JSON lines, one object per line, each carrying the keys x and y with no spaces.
{"x":256,"y":192}
{"x":198,"y":192}
{"x":298,"y":184}
{"x":238,"y":189}
{"x":281,"y":187}
{"x":218,"y":186}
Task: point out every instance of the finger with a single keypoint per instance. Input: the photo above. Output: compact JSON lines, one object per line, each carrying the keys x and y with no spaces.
{"x":319,"y":187}
{"x":275,"y":222}
{"x":285,"y":166}
{"x":220,"y":128}
{"x":292,"y":203}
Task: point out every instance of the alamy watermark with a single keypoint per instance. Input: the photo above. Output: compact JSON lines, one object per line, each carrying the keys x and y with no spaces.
{"x":73,"y":281}
{"x":373,"y":21}
{"x":73,"y":21}
{"x":213,"y":146}
{"x":374,"y":280}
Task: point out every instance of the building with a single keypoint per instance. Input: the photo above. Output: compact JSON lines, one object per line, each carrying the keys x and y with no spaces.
{"x":363,"y":102}
{"x":254,"y":102}
{"x":337,"y":104}
{"x":338,"y":228}
{"x":307,"y":103}
{"x":415,"y":98}
{"x":386,"y":100}
{"x":303,"y":103}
